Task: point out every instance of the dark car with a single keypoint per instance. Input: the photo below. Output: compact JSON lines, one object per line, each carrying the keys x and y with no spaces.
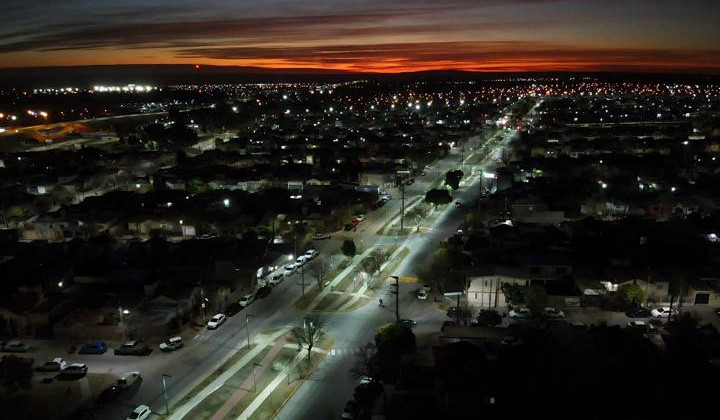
{"x":233,"y":309}
{"x":410,"y":181}
{"x":638,"y":313}
{"x":96,"y":347}
{"x":263,"y":292}
{"x":348,"y":227}
{"x":133,"y":348}
{"x":452,"y":312}
{"x":110,"y":394}
{"x":407,"y":322}
{"x":447,"y":324}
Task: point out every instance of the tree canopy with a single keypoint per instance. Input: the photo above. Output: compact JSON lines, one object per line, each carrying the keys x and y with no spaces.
{"x":438,"y":196}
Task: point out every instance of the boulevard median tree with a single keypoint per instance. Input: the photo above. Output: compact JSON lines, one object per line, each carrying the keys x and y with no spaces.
{"x":438,"y":197}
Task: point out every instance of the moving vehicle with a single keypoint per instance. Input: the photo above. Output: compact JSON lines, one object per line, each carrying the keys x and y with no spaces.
{"x":16,"y":346}
{"x":96,"y":347}
{"x":638,"y":313}
{"x":141,"y":412}
{"x":75,"y":369}
{"x":407,"y":322}
{"x":311,"y":254}
{"x":319,"y":236}
{"x":216,"y":321}
{"x":172,"y":343}
{"x":520,"y":313}
{"x":277,"y":278}
{"x":247,"y":300}
{"x":351,"y":410}
{"x":663,"y":312}
{"x":55,"y":365}
{"x":263,"y":292}
{"x":127,"y":380}
{"x":110,"y":394}
{"x":422,"y":294}
{"x":134,"y":348}
{"x":640,"y":326}
{"x":549,"y":312}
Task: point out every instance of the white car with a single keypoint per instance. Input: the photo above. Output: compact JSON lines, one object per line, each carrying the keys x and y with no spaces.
{"x":172,"y":343}
{"x":300,"y":261}
{"x":55,"y":365}
{"x":360,"y":217}
{"x":520,"y":313}
{"x":310,"y":254}
{"x":216,"y":321}
{"x":422,"y":294}
{"x":16,"y":346}
{"x":553,"y":313}
{"x":247,"y":300}
{"x":127,"y":380}
{"x":75,"y":369}
{"x":141,"y":412}
{"x":276,"y":278}
{"x":289,"y":270}
{"x":663,"y":312}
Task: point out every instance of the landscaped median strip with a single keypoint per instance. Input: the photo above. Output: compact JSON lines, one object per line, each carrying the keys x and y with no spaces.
{"x":260,"y":344}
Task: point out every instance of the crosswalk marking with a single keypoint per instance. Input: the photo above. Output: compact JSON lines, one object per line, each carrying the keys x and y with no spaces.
{"x":340,"y":352}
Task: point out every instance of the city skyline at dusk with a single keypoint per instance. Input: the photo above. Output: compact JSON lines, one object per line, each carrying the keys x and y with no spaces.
{"x":371,"y":36}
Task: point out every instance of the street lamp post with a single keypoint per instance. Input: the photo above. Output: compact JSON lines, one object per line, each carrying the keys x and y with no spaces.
{"x":253,"y":373}
{"x":122,"y":312}
{"x":167,"y":406}
{"x":247,"y":328}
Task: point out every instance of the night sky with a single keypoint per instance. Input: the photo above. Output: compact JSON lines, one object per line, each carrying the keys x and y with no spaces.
{"x":368,"y":35}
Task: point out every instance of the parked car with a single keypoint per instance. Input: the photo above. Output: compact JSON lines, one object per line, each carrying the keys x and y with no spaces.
{"x":289,"y":270}
{"x":426,"y":287}
{"x":108,"y":395}
{"x":263,"y":292}
{"x":407,"y":322}
{"x":663,"y":312}
{"x":510,"y":341}
{"x":172,"y":343}
{"x":452,"y":312}
{"x":16,"y":346}
{"x":520,"y":313}
{"x":351,"y":410}
{"x":447,"y":324}
{"x":75,"y":369}
{"x":422,"y":294}
{"x":276,"y":278}
{"x":320,"y":236}
{"x":300,"y":261}
{"x":360,"y":217}
{"x":717,"y":311}
{"x":247,"y":300}
{"x":134,"y":348}
{"x":549,"y":312}
{"x":232,"y":309}
{"x":55,"y":365}
{"x":216,"y":321}
{"x":348,"y":227}
{"x":128,"y":379}
{"x":640,"y":326}
{"x":311,"y":254}
{"x":96,"y":347}
{"x":141,"y":412}
{"x":638,"y":313}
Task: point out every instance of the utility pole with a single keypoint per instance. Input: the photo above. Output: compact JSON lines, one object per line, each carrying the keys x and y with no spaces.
{"x":397,"y":298}
{"x":247,"y":328}
{"x":402,"y":206}
{"x":202,"y":303}
{"x":167,"y":407}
